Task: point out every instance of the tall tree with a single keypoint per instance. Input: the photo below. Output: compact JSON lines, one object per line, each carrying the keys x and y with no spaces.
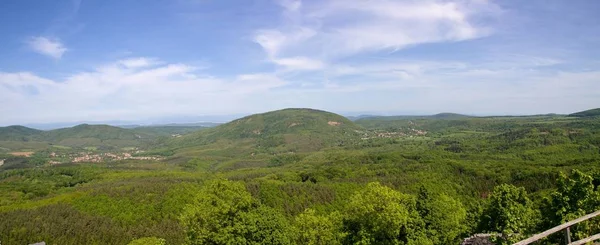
{"x":575,"y":196}
{"x":380,"y":215}
{"x":510,"y":213}
{"x":444,"y":217}
{"x":317,"y":229}
{"x":223,"y":212}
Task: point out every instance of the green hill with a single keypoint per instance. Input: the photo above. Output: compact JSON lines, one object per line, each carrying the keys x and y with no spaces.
{"x":85,"y":135}
{"x":588,"y":113}
{"x":101,"y":132}
{"x":287,"y":129}
{"x":17,"y":133}
{"x":447,"y":115}
{"x":94,"y":135}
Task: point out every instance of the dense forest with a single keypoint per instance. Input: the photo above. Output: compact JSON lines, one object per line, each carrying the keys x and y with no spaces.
{"x":301,"y":176}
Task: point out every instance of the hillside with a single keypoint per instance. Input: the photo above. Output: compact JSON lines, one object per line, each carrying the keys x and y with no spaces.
{"x":17,"y":133}
{"x":293,"y":129}
{"x":587,"y":113}
{"x":101,"y":132}
{"x":448,"y":115}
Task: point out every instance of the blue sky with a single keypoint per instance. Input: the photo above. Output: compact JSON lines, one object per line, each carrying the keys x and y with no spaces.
{"x":100,"y":60}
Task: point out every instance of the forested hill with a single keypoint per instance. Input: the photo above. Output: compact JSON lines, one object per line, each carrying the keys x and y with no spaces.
{"x":448,"y":115}
{"x":17,"y":133}
{"x":102,"y":132}
{"x":307,"y":127}
{"x":587,"y":113}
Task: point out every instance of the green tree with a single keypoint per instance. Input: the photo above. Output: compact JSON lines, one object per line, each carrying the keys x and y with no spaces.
{"x":148,"y":241}
{"x":444,"y":217}
{"x":510,"y":213}
{"x":317,"y":229}
{"x":223,"y":212}
{"x":380,"y":215}
{"x":575,"y":196}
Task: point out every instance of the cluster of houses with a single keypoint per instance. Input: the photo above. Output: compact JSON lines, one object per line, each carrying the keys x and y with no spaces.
{"x":397,"y":134}
{"x":102,"y":157}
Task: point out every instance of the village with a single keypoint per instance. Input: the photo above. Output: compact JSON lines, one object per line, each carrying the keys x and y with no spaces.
{"x":91,"y":157}
{"x":410,"y":132}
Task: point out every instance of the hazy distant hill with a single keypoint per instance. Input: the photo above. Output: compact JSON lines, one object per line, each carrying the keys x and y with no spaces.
{"x":300,"y":128}
{"x":445,"y":115}
{"x":448,"y":115}
{"x":186,"y":125}
{"x":166,"y":130}
{"x":587,"y":113}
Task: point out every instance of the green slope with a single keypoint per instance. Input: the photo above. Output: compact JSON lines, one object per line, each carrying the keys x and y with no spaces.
{"x":287,"y":129}
{"x":587,"y":113}
{"x":94,"y":135}
{"x":101,"y":132}
{"x":17,"y":133}
{"x":448,"y":115}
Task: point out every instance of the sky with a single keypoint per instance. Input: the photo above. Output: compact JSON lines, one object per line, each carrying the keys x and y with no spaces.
{"x":129,"y":60}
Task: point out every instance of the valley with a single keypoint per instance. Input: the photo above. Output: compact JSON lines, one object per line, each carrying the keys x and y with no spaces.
{"x":302,"y":176}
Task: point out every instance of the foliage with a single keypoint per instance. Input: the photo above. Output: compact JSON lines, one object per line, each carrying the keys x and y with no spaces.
{"x":380,"y":215}
{"x":444,"y":217}
{"x":317,"y":229}
{"x":510,"y":213}
{"x":575,"y":196}
{"x":148,"y":241}
{"x":225,"y":213}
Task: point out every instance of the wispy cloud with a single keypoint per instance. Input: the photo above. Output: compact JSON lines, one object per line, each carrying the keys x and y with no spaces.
{"x":138,"y":62}
{"x":299,"y":63}
{"x":47,"y":46}
{"x":335,"y":28}
{"x":128,"y":89}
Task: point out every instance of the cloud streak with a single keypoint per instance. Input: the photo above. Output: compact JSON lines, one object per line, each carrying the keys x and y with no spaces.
{"x":333,"y":29}
{"x":47,"y":46}
{"x":127,"y":89}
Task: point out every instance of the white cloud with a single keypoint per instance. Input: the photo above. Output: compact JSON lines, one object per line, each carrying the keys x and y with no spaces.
{"x":47,"y":46}
{"x":126,"y":92}
{"x":273,"y":41}
{"x":312,"y":34}
{"x":335,"y":28}
{"x":299,"y":63}
{"x":138,"y":62}
{"x":116,"y":92}
{"x":290,"y":5}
